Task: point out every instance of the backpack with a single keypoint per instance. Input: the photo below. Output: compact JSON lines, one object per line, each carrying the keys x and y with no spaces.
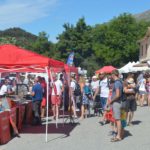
{"x":77,"y":91}
{"x":123,"y":97}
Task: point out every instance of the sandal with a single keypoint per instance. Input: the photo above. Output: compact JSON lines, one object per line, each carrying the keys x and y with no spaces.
{"x":115,"y":139}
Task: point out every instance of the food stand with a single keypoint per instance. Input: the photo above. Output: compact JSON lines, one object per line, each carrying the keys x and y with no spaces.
{"x":16,"y":59}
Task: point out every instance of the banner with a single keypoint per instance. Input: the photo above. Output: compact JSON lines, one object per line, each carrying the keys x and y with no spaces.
{"x":70,"y":59}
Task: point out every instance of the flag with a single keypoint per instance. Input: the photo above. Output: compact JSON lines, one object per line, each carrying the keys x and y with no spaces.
{"x":70,"y":59}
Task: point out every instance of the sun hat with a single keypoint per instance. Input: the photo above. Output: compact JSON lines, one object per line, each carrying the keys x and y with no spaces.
{"x":94,"y":77}
{"x":130,"y":80}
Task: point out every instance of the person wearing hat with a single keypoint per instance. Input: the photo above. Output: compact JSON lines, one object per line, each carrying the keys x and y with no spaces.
{"x":94,"y":84}
{"x":73,"y":96}
{"x":129,"y":90}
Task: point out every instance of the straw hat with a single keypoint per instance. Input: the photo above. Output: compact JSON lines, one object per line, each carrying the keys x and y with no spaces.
{"x":130,"y":80}
{"x":94,"y":77}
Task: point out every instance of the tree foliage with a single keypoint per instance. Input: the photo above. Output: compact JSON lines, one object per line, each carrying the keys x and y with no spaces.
{"x":113,"y":43}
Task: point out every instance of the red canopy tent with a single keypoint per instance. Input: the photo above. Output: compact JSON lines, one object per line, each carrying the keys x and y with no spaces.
{"x":106,"y":69}
{"x":13,"y":58}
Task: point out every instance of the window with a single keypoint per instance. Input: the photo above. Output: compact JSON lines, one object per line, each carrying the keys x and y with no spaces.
{"x":141,"y":50}
{"x":146,"y":49}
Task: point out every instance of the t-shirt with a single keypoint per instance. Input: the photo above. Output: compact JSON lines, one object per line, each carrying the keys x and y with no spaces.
{"x":58,"y":85}
{"x":86,"y":89}
{"x":73,"y":85}
{"x":94,"y":85}
{"x":104,"y":88}
{"x":142,"y":85}
{"x":38,"y":90}
{"x":148,"y":87}
{"x":117,"y":85}
{"x":3,"y":90}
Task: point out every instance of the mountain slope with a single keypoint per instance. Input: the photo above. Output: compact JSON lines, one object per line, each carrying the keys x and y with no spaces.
{"x":17,"y":36}
{"x":143,"y":16}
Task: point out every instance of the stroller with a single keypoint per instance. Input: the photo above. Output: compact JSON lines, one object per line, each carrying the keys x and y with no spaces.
{"x":97,"y":107}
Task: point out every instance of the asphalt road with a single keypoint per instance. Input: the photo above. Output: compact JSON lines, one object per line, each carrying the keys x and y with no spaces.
{"x":87,"y":135}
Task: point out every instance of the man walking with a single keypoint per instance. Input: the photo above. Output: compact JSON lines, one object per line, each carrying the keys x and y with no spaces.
{"x":37,"y":94}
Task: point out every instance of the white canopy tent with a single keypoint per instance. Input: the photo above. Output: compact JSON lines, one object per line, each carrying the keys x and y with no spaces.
{"x":133,"y":67}
{"x":143,"y":68}
{"x":128,"y":67}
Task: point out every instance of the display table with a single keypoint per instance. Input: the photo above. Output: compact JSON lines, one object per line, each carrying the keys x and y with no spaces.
{"x":28,"y":112}
{"x":5,"y":135}
{"x":12,"y":119}
{"x":20,"y":116}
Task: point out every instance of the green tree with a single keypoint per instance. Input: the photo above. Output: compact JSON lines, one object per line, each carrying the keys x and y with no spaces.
{"x":116,"y":42}
{"x":76,"y":38}
{"x":42,"y":45}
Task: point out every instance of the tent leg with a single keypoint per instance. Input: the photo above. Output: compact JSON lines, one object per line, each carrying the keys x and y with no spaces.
{"x":47,"y":106}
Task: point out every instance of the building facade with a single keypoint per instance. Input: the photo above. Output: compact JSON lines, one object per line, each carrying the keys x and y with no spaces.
{"x":144,"y":44}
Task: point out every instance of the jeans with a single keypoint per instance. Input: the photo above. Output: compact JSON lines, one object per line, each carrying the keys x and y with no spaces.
{"x":103,"y":101}
{"x":36,"y":112}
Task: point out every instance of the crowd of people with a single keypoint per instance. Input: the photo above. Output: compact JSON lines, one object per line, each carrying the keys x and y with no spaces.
{"x":111,"y":95}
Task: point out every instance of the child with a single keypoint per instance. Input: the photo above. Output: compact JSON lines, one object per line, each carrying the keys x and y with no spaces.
{"x":86,"y":95}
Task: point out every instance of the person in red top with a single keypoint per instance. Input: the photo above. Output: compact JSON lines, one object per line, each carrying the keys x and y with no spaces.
{"x":43,"y":104}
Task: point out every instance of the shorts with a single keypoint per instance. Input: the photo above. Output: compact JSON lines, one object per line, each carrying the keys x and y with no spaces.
{"x":131,"y":105}
{"x":116,"y":110}
{"x":56,"y":100}
{"x":85,"y":100}
{"x":142,"y":92}
{"x":43,"y":103}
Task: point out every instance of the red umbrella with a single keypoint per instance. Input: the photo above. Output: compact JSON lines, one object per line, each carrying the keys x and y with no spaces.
{"x":106,"y":69}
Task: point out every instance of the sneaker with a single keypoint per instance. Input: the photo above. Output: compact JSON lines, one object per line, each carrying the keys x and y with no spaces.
{"x":75,"y":116}
{"x":77,"y":109}
{"x":114,"y":134}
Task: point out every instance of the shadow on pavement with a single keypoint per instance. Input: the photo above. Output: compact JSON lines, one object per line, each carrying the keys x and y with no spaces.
{"x":137,"y":122}
{"x":66,"y":129}
{"x":127,"y":133}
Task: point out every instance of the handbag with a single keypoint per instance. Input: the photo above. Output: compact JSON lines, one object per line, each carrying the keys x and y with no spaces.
{"x":123,"y":101}
{"x":142,"y":87}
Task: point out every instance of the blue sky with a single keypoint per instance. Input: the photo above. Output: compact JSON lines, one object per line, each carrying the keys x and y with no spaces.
{"x":49,"y":15}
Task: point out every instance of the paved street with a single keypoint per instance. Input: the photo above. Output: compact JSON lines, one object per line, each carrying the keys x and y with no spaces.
{"x":88,"y":135}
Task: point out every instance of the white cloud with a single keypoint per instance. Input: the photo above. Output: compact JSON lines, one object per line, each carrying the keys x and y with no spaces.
{"x":18,"y":12}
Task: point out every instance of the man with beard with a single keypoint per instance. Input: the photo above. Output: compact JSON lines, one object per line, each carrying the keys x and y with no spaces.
{"x":116,"y":98}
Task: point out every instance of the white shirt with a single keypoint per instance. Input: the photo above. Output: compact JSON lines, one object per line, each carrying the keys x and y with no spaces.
{"x":3,"y":89}
{"x":104,"y":88}
{"x":73,"y":85}
{"x":94,"y":85}
{"x":59,"y":85}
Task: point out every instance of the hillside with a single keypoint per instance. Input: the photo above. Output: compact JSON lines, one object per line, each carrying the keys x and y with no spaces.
{"x":17,"y":36}
{"x":143,"y":16}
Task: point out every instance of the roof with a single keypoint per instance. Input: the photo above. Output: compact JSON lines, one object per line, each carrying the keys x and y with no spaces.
{"x":12,"y":57}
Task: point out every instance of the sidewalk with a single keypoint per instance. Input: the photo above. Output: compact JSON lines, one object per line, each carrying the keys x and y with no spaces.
{"x":87,"y":135}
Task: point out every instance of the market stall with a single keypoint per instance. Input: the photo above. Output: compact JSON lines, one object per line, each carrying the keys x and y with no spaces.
{"x":16,"y":59}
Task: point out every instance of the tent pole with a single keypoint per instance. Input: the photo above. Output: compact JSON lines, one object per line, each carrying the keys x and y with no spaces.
{"x":47,"y":106}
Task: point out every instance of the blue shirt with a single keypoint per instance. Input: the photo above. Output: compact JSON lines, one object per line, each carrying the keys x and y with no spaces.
{"x":38,"y":90}
{"x":86,"y":89}
{"x":117,"y":85}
